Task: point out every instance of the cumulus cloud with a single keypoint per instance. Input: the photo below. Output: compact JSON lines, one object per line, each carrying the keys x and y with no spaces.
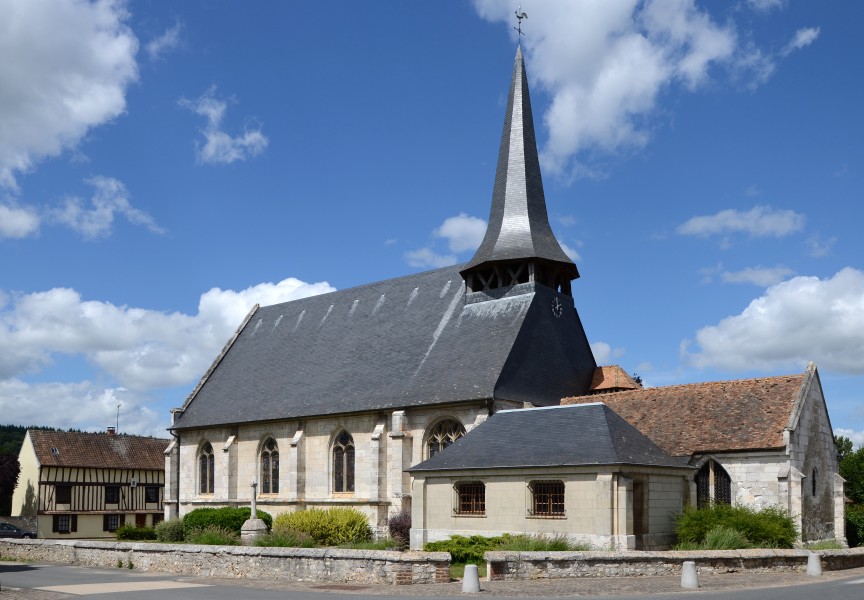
{"x":65,"y":69}
{"x":759,"y":221}
{"x":95,"y":219}
{"x":802,"y":319}
{"x":761,"y":276}
{"x":857,"y":437}
{"x":166,"y":42}
{"x":140,"y":349}
{"x":765,"y":5}
{"x":606,"y":65}
{"x":571,"y":252}
{"x":819,"y":248}
{"x":220,"y":147}
{"x":604,"y":354}
{"x":462,"y":232}
{"x":803,"y":38}
{"x":18,"y":222}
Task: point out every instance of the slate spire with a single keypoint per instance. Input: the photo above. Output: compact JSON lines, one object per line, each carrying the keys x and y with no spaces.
{"x":519,"y":246}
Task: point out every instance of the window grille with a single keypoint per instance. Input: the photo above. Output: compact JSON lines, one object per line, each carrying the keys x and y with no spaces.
{"x":343,"y":463}
{"x":206,"y":469}
{"x":111,"y":522}
{"x":471,"y":498}
{"x":270,"y":467}
{"x":442,"y":435}
{"x":547,"y":498}
{"x":720,"y":491}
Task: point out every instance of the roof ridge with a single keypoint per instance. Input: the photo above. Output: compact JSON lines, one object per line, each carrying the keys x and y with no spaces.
{"x":699,"y":383}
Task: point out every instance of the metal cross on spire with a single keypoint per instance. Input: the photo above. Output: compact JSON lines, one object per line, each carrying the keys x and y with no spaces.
{"x":520,"y":14}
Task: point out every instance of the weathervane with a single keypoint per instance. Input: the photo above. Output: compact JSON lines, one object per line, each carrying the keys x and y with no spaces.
{"x":520,"y":14}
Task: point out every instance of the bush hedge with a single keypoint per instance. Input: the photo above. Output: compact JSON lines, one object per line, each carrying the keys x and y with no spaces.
{"x":130,"y":532}
{"x":767,"y":528}
{"x":399,"y":526}
{"x":169,"y":531}
{"x":855,"y":524}
{"x":329,"y":527}
{"x":228,"y":518}
{"x":469,"y":550}
{"x":213,"y":535}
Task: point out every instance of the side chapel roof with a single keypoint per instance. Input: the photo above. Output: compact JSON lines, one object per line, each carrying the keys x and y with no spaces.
{"x":588,"y":434}
{"x":102,"y":450}
{"x":715,"y":416}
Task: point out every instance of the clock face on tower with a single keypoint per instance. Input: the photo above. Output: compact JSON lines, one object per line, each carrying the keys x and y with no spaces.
{"x":557,"y":307}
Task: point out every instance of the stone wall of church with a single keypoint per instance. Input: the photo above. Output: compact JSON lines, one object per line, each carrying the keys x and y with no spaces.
{"x":385,"y":444}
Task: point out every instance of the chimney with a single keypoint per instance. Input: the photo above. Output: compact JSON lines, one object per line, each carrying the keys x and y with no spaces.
{"x":112,"y":431}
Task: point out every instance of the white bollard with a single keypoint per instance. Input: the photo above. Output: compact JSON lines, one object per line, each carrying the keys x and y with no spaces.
{"x":471,"y":580}
{"x":689,"y":578}
{"x":814,"y":565}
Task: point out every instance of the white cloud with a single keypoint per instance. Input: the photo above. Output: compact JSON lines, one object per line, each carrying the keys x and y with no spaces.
{"x":138,"y":348}
{"x":759,"y":221}
{"x":426,"y":258}
{"x":604,"y":354}
{"x":820,"y":248}
{"x":166,"y":42}
{"x":766,"y":5}
{"x":805,"y":318}
{"x":803,"y":38}
{"x":96,"y":220}
{"x":18,"y":222}
{"x":462,"y":232}
{"x":220,"y":147}
{"x":65,"y":70}
{"x":857,"y":437}
{"x":571,"y":252}
{"x":762,"y":276}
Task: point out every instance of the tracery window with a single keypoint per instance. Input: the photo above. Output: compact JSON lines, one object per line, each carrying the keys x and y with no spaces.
{"x":206,"y":469}
{"x":470,"y":498}
{"x":713,"y":484}
{"x":343,"y":463}
{"x":270,"y":467}
{"x":442,"y":435}
{"x":547,"y":498}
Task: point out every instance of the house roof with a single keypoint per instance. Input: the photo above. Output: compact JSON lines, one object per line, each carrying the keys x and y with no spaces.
{"x":76,"y":449}
{"x":612,"y":378}
{"x":588,"y":434}
{"x":518,"y":221}
{"x":409,"y":341}
{"x":716,"y":416}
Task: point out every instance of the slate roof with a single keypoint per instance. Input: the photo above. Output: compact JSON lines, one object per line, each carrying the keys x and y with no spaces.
{"x":717,"y":416}
{"x":588,"y":434}
{"x":409,"y":341}
{"x":612,"y":378}
{"x":518,"y":222}
{"x":75,"y":449}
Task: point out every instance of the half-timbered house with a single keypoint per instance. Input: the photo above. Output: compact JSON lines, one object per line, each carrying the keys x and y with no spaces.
{"x":86,"y":485}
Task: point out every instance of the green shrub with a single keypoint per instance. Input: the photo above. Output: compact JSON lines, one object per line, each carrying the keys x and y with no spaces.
{"x":329,"y":527}
{"x":470,"y":550}
{"x":213,"y":535}
{"x":285,"y":539}
{"x":227,"y":518}
{"x":767,"y":528}
{"x":539,"y":543}
{"x":169,"y":531}
{"x":824,"y":545}
{"x":724,"y":538}
{"x":855,"y":524}
{"x":130,"y":532}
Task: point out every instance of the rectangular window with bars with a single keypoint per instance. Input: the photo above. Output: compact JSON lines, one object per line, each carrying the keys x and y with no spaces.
{"x":471,"y":498}
{"x":547,"y":498}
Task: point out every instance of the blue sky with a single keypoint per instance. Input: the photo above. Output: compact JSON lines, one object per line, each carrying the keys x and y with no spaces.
{"x":165,"y":166}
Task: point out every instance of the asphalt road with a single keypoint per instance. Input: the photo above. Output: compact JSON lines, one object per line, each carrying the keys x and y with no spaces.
{"x":55,"y":582}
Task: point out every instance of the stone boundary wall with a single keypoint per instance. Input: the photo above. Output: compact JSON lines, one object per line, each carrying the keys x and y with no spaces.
{"x":556,"y":565}
{"x":295,"y":564}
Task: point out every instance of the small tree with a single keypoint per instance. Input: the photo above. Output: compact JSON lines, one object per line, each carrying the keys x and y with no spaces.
{"x":9,"y":471}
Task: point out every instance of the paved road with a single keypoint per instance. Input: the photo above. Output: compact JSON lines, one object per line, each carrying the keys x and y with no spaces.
{"x":57,"y":582}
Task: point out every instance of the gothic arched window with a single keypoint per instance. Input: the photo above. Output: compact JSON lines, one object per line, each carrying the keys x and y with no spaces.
{"x":442,"y":435}
{"x":270,"y":467}
{"x":343,"y":463}
{"x":206,"y":469}
{"x":713,"y":484}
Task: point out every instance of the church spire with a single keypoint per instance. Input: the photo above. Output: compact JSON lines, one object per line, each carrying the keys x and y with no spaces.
{"x":519,"y":246}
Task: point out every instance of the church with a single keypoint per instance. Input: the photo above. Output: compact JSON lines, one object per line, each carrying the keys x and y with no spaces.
{"x":439,"y":393}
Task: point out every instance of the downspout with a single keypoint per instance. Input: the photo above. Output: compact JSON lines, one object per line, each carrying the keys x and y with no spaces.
{"x":175,"y":414}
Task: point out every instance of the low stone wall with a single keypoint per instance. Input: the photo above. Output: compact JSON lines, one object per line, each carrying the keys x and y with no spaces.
{"x":295,"y":564}
{"x":555,"y":565}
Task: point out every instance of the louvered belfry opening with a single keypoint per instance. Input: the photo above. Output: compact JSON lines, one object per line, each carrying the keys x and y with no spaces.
{"x":519,"y":246}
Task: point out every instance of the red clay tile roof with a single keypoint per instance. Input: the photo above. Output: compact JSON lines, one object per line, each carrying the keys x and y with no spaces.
{"x":718,"y":416}
{"x":70,"y":449}
{"x":612,"y":378}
